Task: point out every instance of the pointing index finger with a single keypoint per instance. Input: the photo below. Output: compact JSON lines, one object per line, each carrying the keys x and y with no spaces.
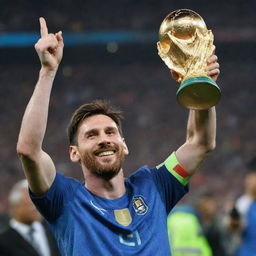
{"x":43,"y":27}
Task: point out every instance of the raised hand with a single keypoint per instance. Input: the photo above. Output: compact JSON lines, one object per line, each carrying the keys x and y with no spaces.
{"x":49,"y":47}
{"x":213,"y":67}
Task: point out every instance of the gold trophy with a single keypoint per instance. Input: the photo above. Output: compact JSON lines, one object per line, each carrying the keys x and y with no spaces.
{"x":184,"y":45}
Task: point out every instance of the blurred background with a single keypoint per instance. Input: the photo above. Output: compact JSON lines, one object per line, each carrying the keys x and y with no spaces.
{"x":110,"y":52}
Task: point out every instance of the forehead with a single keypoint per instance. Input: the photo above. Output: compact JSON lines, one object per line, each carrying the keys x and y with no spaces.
{"x":24,"y":197}
{"x":97,"y":122}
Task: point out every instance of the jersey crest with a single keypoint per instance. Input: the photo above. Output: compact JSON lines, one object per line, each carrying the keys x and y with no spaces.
{"x":139,"y":205}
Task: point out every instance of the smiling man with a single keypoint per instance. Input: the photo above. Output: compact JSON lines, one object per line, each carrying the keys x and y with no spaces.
{"x":98,"y":145}
{"x":107,"y":214}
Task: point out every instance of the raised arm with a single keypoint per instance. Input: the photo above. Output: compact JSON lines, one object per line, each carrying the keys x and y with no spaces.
{"x":201,"y":130}
{"x":38,"y":166}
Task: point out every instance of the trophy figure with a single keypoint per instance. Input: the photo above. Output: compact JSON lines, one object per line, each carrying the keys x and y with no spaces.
{"x":184,"y":45}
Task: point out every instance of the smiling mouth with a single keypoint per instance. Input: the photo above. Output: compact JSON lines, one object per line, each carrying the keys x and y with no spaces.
{"x":105,"y":153}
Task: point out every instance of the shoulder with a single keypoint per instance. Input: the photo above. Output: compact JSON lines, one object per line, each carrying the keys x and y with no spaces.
{"x":63,"y":182}
{"x":8,"y":233}
{"x":243,"y":204}
{"x":63,"y":178}
{"x":61,"y":193}
{"x":143,"y":172}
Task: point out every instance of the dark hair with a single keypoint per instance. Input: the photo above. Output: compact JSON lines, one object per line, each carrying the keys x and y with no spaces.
{"x":96,"y":107}
{"x":251,"y":165}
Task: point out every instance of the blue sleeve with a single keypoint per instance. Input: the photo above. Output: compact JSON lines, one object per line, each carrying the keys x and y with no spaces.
{"x":170,"y":189}
{"x":50,"y":205}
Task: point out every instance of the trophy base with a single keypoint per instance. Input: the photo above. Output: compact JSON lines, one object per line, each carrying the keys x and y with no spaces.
{"x":198,"y":93}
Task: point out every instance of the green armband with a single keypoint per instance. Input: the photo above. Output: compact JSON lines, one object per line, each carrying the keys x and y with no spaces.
{"x":176,"y":169}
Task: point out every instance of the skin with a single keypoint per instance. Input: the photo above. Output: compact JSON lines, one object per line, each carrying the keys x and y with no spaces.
{"x":38,"y":165}
{"x":250,"y":185}
{"x":94,"y":134}
{"x":24,"y":211}
{"x":207,"y":207}
{"x":235,"y":224}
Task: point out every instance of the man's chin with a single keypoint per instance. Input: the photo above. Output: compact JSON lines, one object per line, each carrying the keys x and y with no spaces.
{"x":107,"y":174}
{"x":105,"y":167}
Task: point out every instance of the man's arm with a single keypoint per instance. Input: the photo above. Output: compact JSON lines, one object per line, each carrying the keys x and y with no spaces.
{"x":201,"y":130}
{"x":38,"y":165}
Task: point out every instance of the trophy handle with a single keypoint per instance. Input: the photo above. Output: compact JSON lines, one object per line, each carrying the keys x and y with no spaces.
{"x":198,"y":93}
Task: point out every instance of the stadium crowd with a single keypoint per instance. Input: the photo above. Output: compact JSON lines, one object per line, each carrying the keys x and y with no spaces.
{"x":135,"y":79}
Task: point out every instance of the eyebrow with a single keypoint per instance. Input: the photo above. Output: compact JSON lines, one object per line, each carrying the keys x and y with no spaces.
{"x":90,"y":131}
{"x":96,"y":130}
{"x":111,"y":128}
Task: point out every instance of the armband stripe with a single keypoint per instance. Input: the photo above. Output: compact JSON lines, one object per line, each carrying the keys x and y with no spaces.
{"x":181,"y":171}
{"x":175,"y":168}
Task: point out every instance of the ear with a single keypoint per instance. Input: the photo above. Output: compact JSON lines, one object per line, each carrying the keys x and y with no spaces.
{"x":74,"y":154}
{"x":126,"y":150}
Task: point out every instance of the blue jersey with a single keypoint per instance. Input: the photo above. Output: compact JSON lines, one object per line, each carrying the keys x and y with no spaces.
{"x":135,"y":224}
{"x":247,"y":208}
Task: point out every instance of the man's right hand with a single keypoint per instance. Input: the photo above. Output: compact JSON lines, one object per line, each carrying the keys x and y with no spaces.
{"x":49,"y":47}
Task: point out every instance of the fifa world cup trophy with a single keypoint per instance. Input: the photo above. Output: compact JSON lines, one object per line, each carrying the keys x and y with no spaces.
{"x":184,"y":45}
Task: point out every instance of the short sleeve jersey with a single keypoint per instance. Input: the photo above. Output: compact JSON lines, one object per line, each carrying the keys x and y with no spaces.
{"x":135,"y":224}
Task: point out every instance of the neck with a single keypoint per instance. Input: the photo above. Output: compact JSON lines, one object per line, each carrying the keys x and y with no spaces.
{"x":110,"y":189}
{"x":22,"y":221}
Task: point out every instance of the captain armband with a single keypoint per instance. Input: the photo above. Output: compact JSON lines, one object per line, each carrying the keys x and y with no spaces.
{"x":176,"y":169}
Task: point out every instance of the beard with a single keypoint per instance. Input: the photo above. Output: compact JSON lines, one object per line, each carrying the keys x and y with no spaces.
{"x":108,"y":169}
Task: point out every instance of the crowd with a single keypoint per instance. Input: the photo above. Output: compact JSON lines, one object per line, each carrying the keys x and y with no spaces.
{"x":126,"y":14}
{"x":140,"y":85}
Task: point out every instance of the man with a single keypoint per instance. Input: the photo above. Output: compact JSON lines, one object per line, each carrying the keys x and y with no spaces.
{"x":3,"y":221}
{"x":197,"y":229}
{"x":107,"y":215}
{"x":186,"y":234}
{"x":242,"y":217}
{"x":212,"y":223}
{"x":26,"y":235}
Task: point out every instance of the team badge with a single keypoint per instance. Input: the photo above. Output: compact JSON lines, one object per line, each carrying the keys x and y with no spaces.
{"x":139,"y":205}
{"x":123,"y":216}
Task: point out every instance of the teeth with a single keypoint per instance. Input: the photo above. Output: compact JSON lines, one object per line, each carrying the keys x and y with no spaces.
{"x":106,"y":153}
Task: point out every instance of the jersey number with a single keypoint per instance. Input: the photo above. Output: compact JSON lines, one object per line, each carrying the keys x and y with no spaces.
{"x":132,"y":239}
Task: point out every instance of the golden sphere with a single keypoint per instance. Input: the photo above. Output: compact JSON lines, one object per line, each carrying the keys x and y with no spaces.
{"x":182,"y":24}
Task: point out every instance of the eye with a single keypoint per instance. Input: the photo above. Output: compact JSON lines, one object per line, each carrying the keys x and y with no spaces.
{"x":110,"y":132}
{"x":90,"y":135}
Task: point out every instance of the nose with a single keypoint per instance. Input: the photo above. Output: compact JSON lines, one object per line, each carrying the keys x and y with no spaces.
{"x":103,"y":140}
